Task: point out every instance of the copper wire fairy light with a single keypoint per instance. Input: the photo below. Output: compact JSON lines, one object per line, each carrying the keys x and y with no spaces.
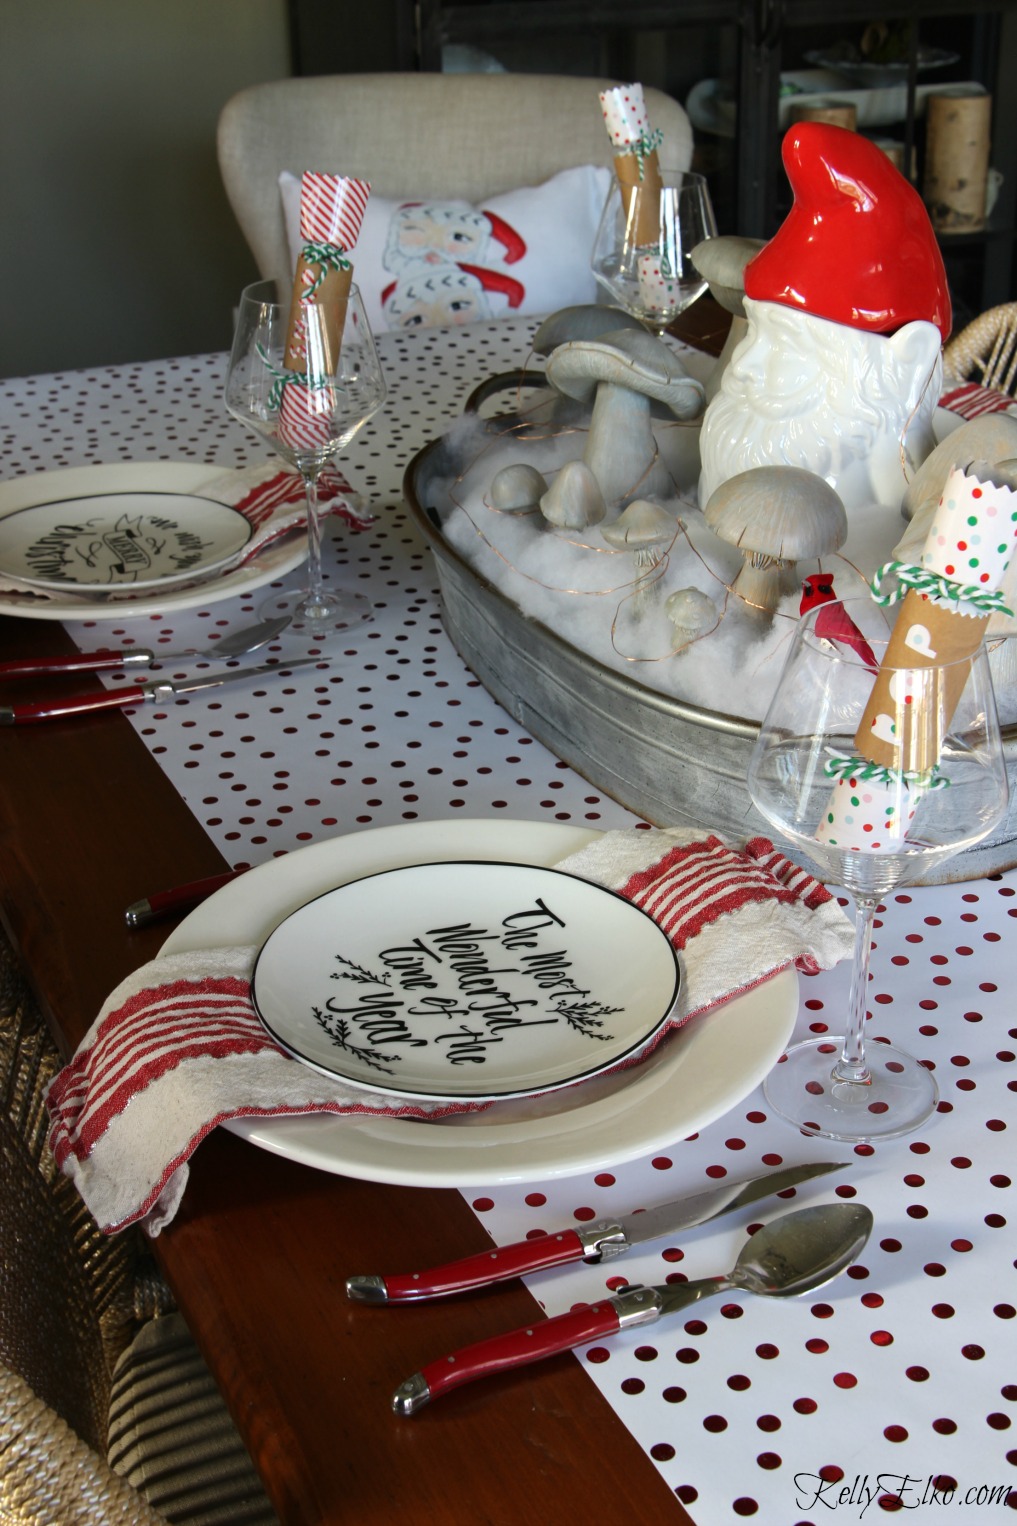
{"x":525,"y":424}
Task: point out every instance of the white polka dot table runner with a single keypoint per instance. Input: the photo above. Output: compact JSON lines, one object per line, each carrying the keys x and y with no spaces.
{"x":896,"y":1384}
{"x":892,"y":1390}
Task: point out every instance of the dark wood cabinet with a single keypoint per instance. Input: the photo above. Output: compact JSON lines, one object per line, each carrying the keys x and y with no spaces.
{"x":751,"y":45}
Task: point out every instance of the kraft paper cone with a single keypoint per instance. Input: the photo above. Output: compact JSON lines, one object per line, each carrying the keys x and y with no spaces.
{"x":330,"y":296}
{"x":942,"y":622}
{"x":636,"y":164}
{"x":913,"y":675}
{"x":332,"y":210}
{"x":641,"y":200}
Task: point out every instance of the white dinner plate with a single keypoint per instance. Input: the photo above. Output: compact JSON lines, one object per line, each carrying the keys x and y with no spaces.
{"x":177,"y":477}
{"x":466,"y":981}
{"x":697,"y":1076}
{"x":115,"y":544}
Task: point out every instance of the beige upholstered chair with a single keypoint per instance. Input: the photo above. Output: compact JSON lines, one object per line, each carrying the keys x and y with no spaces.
{"x":420,"y":135}
{"x":95,"y":1374}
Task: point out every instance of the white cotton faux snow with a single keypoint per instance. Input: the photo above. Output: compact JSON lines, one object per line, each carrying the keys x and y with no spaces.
{"x":586,"y":591}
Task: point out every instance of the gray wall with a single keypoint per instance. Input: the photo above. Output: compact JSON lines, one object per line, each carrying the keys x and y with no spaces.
{"x":116,"y":239}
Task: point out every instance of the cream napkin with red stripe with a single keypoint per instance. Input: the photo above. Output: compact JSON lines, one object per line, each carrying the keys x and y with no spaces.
{"x":735,"y":916}
{"x":178,"y":1047}
{"x":274,"y":502}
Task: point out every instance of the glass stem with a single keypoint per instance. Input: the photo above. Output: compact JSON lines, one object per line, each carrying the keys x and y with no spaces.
{"x":851,"y":1066}
{"x":315,"y":597}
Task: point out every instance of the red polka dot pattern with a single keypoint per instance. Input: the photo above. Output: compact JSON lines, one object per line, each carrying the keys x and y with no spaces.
{"x":271,"y":767}
{"x":907,"y":1363}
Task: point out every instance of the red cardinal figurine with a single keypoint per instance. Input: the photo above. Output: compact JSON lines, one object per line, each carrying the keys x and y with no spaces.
{"x":834,"y":624}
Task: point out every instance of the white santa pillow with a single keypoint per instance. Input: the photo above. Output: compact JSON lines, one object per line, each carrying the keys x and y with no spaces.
{"x":432,"y":263}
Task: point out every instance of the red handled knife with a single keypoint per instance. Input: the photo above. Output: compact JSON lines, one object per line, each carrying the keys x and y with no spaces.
{"x":118,"y":699}
{"x":590,"y":1242}
{"x":792,"y":1255}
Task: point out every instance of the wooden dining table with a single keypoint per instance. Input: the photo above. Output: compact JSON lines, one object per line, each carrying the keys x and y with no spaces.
{"x":259,"y":1252}
{"x":94,"y":816}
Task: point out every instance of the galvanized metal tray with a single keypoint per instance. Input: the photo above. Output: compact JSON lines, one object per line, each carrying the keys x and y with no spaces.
{"x":671,"y":763}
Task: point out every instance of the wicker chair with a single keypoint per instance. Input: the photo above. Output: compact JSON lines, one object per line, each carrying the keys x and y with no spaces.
{"x":95,"y":1368}
{"x":986,"y":351}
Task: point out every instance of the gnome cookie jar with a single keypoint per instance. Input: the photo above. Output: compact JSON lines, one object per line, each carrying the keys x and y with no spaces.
{"x":847,"y":309}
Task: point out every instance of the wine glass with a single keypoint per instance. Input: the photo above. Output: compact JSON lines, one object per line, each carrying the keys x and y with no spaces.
{"x":807,"y":779}
{"x":307,"y":391}
{"x":642,"y":252}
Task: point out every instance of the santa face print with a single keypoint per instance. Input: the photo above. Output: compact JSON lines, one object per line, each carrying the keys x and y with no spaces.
{"x":435,"y":299}
{"x":437,"y":233}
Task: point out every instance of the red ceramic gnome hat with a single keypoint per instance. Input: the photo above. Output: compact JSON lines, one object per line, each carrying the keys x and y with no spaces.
{"x":857,"y":246}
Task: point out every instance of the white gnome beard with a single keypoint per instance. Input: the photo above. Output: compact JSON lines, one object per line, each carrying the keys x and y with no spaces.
{"x":802,"y":391}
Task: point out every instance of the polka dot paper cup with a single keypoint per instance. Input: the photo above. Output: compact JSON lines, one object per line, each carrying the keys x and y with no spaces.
{"x":868,"y":816}
{"x":659,"y":292}
{"x":973,"y":531}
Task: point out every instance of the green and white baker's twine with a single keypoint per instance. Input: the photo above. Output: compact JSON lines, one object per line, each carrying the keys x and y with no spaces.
{"x":842,"y":765}
{"x":644,"y":146}
{"x":943,"y":590}
{"x":327,"y":257}
{"x":283,"y":378}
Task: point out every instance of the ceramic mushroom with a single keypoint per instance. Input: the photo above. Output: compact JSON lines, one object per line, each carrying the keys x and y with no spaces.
{"x":586,"y":321}
{"x":721,"y":262}
{"x":646,"y":531}
{"x":992,"y":438}
{"x":574,"y":499}
{"x":517,"y":488}
{"x":623,"y":372}
{"x":776,"y":516}
{"x":692,"y":613}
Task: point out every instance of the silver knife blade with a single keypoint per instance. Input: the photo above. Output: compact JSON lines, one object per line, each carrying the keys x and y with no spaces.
{"x":685,"y":1213}
{"x":599,"y":1241}
{"x":160,"y":687}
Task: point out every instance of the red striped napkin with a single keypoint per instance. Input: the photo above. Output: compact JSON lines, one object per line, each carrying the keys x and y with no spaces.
{"x":274,"y":502}
{"x":735,"y":916}
{"x":971,"y":400}
{"x":178,"y":1048}
{"x":270,"y":497}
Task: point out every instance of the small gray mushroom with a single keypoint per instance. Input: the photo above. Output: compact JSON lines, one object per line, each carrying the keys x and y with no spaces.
{"x":586,"y":321}
{"x":574,"y":499}
{"x":776,"y":516}
{"x":721,"y":262}
{"x":646,"y":531}
{"x":517,"y":488}
{"x":692,"y":613}
{"x":992,"y":438}
{"x":623,"y":372}
{"x":643,"y":528}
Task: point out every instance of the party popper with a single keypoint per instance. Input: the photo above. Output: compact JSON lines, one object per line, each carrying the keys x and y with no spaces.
{"x":332,"y":210}
{"x":946,"y":601}
{"x":635,"y":161}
